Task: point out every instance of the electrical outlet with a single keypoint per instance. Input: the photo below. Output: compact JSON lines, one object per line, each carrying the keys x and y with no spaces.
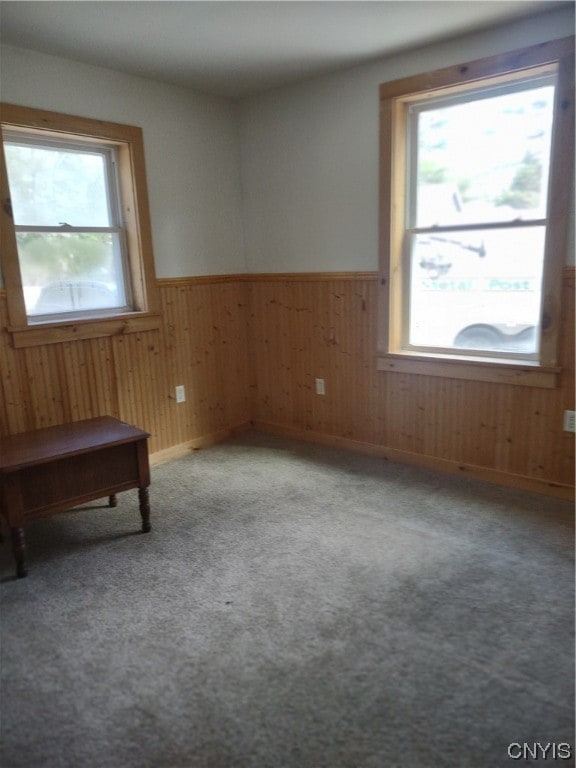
{"x":569,"y":421}
{"x":180,"y":393}
{"x":320,"y":387}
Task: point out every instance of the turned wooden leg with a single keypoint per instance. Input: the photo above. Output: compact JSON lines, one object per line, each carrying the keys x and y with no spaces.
{"x":144,"y":509}
{"x":19,"y":551}
{"x":112,"y":501}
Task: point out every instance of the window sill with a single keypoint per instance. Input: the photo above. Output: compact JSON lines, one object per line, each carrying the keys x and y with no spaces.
{"x":505,"y":372}
{"x":92,"y":328}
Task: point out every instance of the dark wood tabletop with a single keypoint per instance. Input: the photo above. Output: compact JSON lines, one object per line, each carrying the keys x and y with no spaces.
{"x":55,"y":468}
{"x":28,"y":449}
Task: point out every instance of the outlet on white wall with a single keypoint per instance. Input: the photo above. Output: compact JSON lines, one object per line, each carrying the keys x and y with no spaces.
{"x":180,"y":393}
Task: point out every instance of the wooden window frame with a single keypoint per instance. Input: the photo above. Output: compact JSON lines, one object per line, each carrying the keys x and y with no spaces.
{"x":129,"y":144}
{"x":394,"y":100}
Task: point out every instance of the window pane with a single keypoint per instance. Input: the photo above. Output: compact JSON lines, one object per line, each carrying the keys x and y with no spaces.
{"x":477,"y":290}
{"x":51,"y":186}
{"x":484,"y":160}
{"x":70,"y":272}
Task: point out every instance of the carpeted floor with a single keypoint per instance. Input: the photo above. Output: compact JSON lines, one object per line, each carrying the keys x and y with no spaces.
{"x":293,"y":607}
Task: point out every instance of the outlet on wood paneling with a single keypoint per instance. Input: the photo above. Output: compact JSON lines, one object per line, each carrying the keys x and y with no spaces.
{"x":252,"y":349}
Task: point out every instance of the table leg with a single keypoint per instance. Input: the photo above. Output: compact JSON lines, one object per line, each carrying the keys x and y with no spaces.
{"x":144,"y":509}
{"x":19,"y":551}
{"x":112,"y":501}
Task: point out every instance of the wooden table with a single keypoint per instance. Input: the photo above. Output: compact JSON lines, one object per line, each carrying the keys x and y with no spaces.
{"x":48,"y":470}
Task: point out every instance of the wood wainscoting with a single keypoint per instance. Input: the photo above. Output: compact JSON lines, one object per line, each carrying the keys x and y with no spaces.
{"x":248,"y":348}
{"x":201,"y":343}
{"x":307,"y":327}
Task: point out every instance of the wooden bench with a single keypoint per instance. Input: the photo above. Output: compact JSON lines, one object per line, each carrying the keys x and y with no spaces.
{"x":48,"y":470}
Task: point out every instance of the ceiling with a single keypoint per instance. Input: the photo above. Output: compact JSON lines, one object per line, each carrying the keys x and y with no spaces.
{"x":239,"y":48}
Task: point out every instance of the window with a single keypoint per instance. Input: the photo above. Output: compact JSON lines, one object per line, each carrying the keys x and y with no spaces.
{"x":476,"y":168}
{"x":77,"y":258}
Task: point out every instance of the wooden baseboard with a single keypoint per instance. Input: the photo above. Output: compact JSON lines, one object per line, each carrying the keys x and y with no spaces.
{"x":486,"y":474}
{"x":183,"y":449}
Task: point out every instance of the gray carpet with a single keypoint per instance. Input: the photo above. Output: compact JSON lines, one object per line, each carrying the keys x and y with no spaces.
{"x":293,"y":607}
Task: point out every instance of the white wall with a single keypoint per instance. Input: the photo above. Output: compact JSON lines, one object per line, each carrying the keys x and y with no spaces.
{"x":303,"y":196}
{"x":310,"y":154}
{"x":191,"y":146}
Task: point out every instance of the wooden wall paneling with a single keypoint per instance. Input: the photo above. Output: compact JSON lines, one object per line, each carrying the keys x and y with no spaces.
{"x":173,"y":325}
{"x":321,"y":356}
{"x":282,"y":380}
{"x":139,"y":382}
{"x":320,"y":333}
{"x":567,"y":378}
{"x":544,"y":436}
{"x":15,"y":385}
{"x":205,"y":349}
{"x":4,"y":429}
{"x":197,"y":361}
{"x":303,"y":329}
{"x":432,"y":413}
{"x":539,"y":447}
{"x":198,"y":348}
{"x":101,"y":378}
{"x":400,"y":420}
{"x":478,"y":417}
{"x":453,"y":437}
{"x":124,"y":380}
{"x":271,"y":398}
{"x":258,"y":352}
{"x":504,"y":447}
{"x":158,"y":404}
{"x":538,"y":436}
{"x":309,"y":364}
{"x":86,"y":377}
{"x":499,"y":404}
{"x":55,"y":383}
{"x":284,"y":383}
{"x":4,"y":369}
{"x":337,"y":318}
{"x":43,"y":370}
{"x":252,"y":348}
{"x":193,"y":361}
{"x":72,"y":376}
{"x":151,"y":386}
{"x":348,"y":360}
{"x":294,"y":396}
{"x":266,"y":341}
{"x":366,"y":357}
{"x":351,"y":342}
{"x":291,"y":381}
{"x":231,"y":353}
{"x":388,"y":420}
{"x":252,"y":356}
{"x":267,"y":336}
